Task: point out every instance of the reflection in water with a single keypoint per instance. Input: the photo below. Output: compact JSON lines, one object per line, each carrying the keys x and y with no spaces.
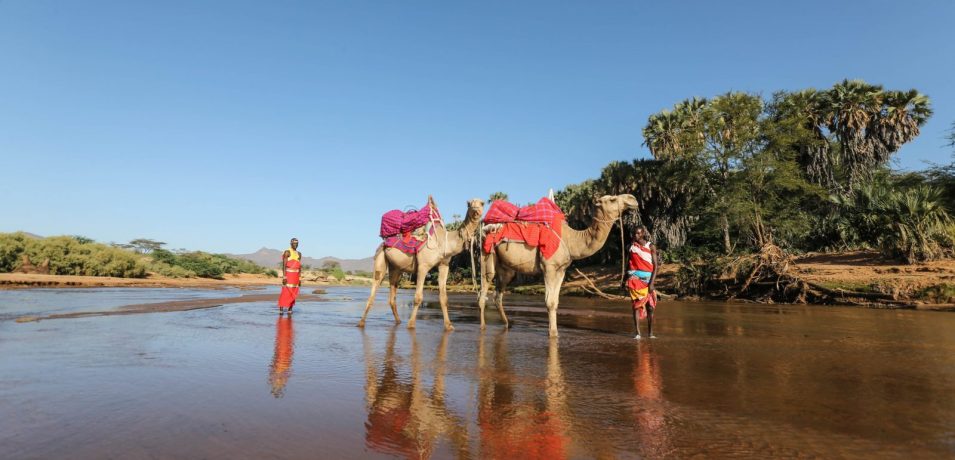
{"x":281,"y":368}
{"x":649,"y":415}
{"x":724,"y":381}
{"x":403,"y":417}
{"x":517,"y":425}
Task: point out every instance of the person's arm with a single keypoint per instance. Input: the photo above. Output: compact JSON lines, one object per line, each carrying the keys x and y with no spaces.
{"x":656,"y":266}
{"x":284,"y":262}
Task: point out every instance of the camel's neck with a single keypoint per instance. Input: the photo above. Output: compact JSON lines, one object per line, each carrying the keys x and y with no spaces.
{"x":584,"y":243}
{"x":458,"y":238}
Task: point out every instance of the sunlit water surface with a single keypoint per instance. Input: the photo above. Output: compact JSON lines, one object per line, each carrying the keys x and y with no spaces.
{"x":237,"y":381}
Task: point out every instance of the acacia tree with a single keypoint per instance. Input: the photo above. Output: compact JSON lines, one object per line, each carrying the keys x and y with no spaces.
{"x":145,"y":245}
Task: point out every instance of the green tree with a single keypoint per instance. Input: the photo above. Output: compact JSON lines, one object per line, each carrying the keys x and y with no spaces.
{"x":497,"y":196}
{"x":145,"y":245}
{"x":717,"y":135}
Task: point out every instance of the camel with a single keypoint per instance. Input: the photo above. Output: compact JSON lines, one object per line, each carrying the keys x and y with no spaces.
{"x":438,"y":251}
{"x":510,"y":258}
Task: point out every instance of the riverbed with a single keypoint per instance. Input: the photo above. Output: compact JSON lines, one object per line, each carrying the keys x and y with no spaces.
{"x":235,"y":380}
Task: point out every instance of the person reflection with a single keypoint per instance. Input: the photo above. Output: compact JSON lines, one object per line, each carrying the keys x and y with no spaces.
{"x":515,"y":425}
{"x":281,"y":368}
{"x":649,"y":412}
{"x":404,"y":418}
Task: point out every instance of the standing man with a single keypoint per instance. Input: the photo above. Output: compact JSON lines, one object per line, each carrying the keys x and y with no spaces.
{"x":291,"y":271}
{"x":642,"y":274}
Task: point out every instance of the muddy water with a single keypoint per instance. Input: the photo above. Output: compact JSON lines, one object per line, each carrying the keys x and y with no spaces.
{"x":236,"y":381}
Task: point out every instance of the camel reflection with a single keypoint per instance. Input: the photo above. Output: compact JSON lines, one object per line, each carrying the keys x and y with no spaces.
{"x":281,"y":368}
{"x":404,"y":418}
{"x":649,"y":413}
{"x":513,"y":425}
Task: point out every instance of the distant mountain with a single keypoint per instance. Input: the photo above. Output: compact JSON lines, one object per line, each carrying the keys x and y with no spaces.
{"x":271,"y":258}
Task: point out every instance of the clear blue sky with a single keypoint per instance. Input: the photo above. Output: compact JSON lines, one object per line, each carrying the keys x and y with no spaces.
{"x":230,"y":125}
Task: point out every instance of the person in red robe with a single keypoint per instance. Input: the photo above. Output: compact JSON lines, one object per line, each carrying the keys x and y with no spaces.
{"x":643,"y":266}
{"x":291,"y":279}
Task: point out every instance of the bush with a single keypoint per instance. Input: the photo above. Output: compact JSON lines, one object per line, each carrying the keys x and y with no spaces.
{"x":204,"y":264}
{"x":69,"y":256}
{"x":907,"y":223}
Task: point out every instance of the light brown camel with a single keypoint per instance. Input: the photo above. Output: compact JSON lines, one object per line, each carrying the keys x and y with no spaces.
{"x":510,"y":258}
{"x":437,"y":251}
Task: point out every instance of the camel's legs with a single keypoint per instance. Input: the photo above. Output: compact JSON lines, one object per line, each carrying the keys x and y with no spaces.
{"x":505,"y":276}
{"x":394,"y":279}
{"x":443,"y":270}
{"x":487,"y":277}
{"x":552,"y":282}
{"x":379,"y":276}
{"x":418,"y":293}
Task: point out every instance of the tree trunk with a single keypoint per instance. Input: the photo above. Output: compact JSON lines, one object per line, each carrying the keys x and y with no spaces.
{"x":725,"y":224}
{"x":758,"y":228}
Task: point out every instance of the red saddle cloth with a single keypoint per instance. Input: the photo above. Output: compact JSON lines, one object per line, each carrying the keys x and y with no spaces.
{"x":404,"y":243}
{"x":538,"y":225}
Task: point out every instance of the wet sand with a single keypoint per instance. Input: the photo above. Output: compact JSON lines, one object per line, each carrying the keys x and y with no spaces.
{"x":237,"y":381}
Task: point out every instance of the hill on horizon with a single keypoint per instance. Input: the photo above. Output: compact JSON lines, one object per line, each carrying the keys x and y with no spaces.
{"x":271,"y":258}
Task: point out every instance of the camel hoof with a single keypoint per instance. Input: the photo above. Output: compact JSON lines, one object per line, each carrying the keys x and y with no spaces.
{"x":483,"y":327}
{"x":410,"y":325}
{"x":448,"y":327}
{"x":361,"y":324}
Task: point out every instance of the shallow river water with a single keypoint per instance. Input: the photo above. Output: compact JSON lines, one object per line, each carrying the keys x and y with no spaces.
{"x":237,"y":381}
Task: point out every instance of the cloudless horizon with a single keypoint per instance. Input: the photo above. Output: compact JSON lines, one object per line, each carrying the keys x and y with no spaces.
{"x":227,"y":126}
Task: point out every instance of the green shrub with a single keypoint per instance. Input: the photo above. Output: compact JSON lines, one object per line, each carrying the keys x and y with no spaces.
{"x":206,"y":265}
{"x":171,"y":271}
{"x":907,"y":223}
{"x":69,"y":256}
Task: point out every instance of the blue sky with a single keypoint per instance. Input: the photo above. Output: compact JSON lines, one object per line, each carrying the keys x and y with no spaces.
{"x":228,"y":125}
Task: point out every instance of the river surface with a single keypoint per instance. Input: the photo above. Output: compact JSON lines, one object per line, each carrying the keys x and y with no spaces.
{"x":238,"y":381}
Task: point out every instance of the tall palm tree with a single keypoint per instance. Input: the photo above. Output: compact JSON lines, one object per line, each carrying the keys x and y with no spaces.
{"x":662,"y":134}
{"x":850,"y":107}
{"x":899,"y":121}
{"x":806,"y":109}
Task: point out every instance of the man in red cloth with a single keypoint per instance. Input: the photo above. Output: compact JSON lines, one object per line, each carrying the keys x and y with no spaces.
{"x":291,"y":267}
{"x":642,"y":274}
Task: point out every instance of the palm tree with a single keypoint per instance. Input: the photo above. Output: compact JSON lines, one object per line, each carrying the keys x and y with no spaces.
{"x":899,"y":122}
{"x":662,"y":134}
{"x":806,"y":110}
{"x":850,"y":107}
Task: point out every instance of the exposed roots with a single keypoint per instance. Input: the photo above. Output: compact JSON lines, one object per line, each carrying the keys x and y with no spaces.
{"x":767,"y":276}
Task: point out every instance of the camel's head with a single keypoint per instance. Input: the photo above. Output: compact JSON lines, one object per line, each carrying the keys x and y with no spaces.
{"x":613,"y":206}
{"x":476,"y":207}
